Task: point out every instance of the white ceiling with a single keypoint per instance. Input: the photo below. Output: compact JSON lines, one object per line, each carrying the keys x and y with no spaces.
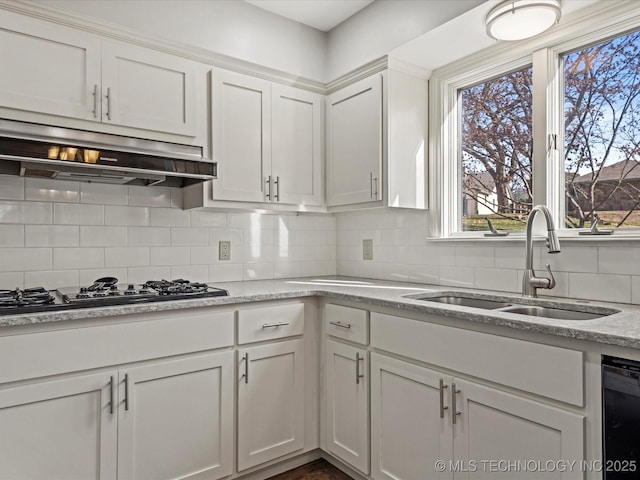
{"x":320,"y":14}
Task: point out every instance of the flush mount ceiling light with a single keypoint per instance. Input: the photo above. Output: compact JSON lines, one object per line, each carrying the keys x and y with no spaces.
{"x":518,"y":19}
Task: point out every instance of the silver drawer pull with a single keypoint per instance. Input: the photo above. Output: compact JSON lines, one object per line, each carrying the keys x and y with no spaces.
{"x":246,"y":367}
{"x":279,"y":324}
{"x":454,"y":408}
{"x":111,"y":394}
{"x":341,"y":325}
{"x":126,"y":391}
{"x":442,"y":405}
{"x":358,"y":374}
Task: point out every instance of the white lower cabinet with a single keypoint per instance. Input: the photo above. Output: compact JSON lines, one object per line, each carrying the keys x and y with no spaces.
{"x":347,"y":404}
{"x":165,"y":420}
{"x":271,"y":397}
{"x":175,"y":419}
{"x":59,"y":429}
{"x":420,"y":416}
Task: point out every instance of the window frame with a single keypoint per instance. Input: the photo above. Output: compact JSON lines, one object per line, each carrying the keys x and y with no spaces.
{"x":544,"y":53}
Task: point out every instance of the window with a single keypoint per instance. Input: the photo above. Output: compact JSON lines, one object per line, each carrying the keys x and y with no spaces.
{"x":496,"y":152}
{"x":541,"y":123}
{"x":602,"y":134}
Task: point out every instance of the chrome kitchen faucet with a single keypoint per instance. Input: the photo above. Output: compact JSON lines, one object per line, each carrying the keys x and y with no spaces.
{"x":531,"y":283}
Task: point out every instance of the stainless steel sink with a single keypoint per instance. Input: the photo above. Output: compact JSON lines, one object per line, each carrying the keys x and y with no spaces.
{"x":548,"y":312}
{"x":512,"y":305}
{"x":467,"y":302}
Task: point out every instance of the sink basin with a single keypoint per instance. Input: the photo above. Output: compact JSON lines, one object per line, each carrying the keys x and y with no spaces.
{"x":548,"y":312}
{"x":512,"y":305}
{"x":467,"y":302}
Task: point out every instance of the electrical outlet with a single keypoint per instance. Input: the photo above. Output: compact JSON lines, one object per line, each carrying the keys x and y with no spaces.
{"x":224,"y":250}
{"x":367,"y":249}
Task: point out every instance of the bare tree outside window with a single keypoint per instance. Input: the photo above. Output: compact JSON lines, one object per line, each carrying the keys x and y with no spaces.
{"x":602,"y":133}
{"x":496,"y":152}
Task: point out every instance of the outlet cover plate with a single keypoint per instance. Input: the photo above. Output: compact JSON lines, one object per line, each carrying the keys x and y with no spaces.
{"x":367,"y":249}
{"x":224,"y":250}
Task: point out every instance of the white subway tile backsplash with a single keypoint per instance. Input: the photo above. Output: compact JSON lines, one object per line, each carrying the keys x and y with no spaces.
{"x":571,"y":259}
{"x":426,"y":274}
{"x":497,"y":279}
{"x":11,"y":187}
{"x":635,"y":290}
{"x":456,"y":276}
{"x":409,"y":255}
{"x":143,"y":274}
{"x":25,"y":259}
{"x":287,"y":269}
{"x":11,"y":235}
{"x":609,"y":288}
{"x":98,"y":236}
{"x":52,"y":279}
{"x":258,"y":271}
{"x":474,"y":256}
{"x":104,"y":194}
{"x":195,"y":273}
{"x":150,"y":197}
{"x":148,"y":236}
{"x":44,"y":190}
{"x":233,"y":235}
{"x":619,"y":260}
{"x":126,"y":216}
{"x":169,"y":256}
{"x":126,"y":256}
{"x":78,"y":214}
{"x":52,"y":235}
{"x":26,"y":212}
{"x":76,"y":258}
{"x":12,"y":280}
{"x":438,"y":254}
{"x":189,"y":236}
{"x":226,"y":272}
{"x":310,"y":269}
{"x":208,"y":219}
{"x":206,"y":255}
{"x":168,"y":217}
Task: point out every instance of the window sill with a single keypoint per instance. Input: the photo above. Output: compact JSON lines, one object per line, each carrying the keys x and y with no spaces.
{"x":520,"y":237}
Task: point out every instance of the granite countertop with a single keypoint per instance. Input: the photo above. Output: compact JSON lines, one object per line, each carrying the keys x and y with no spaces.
{"x":621,"y":329}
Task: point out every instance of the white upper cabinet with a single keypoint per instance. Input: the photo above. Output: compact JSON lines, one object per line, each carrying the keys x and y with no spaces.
{"x":266,"y":140}
{"x":55,"y":70}
{"x":376,"y":134}
{"x":296,"y":155}
{"x":241,"y":123}
{"x":143,"y":88}
{"x":354,"y":143}
{"x":48,"y":68}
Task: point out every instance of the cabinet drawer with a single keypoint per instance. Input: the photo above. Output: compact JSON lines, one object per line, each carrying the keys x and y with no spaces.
{"x":546,"y":370}
{"x":346,"y":322}
{"x":267,"y":323}
{"x":140,"y":337}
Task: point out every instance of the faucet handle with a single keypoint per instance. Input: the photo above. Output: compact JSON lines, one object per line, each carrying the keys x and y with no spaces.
{"x":552,"y":280}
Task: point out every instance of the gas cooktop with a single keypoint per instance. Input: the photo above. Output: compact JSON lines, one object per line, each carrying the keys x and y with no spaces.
{"x":103,"y":292}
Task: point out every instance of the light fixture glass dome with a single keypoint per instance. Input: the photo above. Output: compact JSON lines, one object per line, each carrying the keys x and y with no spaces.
{"x":518,"y":19}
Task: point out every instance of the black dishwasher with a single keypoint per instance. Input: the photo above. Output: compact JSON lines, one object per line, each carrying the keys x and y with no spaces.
{"x":620,"y":418}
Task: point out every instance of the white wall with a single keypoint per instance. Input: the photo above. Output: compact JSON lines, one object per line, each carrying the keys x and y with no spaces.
{"x":605,"y":271}
{"x":56,"y":233}
{"x":228,"y":27}
{"x":383,"y":26}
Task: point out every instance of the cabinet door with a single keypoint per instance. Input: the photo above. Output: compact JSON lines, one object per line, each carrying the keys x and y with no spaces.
{"x":296,"y":146}
{"x":347,"y":390}
{"x":241,"y":139}
{"x":410,"y":420}
{"x":494,"y":425}
{"x":176,"y":419}
{"x":354,"y":143}
{"x":270,"y":402}
{"x":48,"y":68}
{"x":143,"y":88}
{"x":62,"y":429}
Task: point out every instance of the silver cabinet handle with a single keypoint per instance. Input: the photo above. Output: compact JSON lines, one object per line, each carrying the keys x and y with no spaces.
{"x":95,"y":103}
{"x":111,"y":394}
{"x":126,"y":391}
{"x":268,"y":182}
{"x":358,"y":374}
{"x":371,"y":183}
{"x":277,"y":182}
{"x":454,"y":408}
{"x":246,"y":367}
{"x":279,"y":324}
{"x":341,"y":325}
{"x":442,"y":406}
{"x":375,"y":187}
{"x":109,"y":103}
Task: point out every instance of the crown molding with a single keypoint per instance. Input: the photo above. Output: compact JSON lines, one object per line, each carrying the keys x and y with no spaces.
{"x":366,"y":70}
{"x":125,"y":34}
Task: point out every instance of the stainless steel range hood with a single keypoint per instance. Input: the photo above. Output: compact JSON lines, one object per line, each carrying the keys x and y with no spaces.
{"x":33,"y":150}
